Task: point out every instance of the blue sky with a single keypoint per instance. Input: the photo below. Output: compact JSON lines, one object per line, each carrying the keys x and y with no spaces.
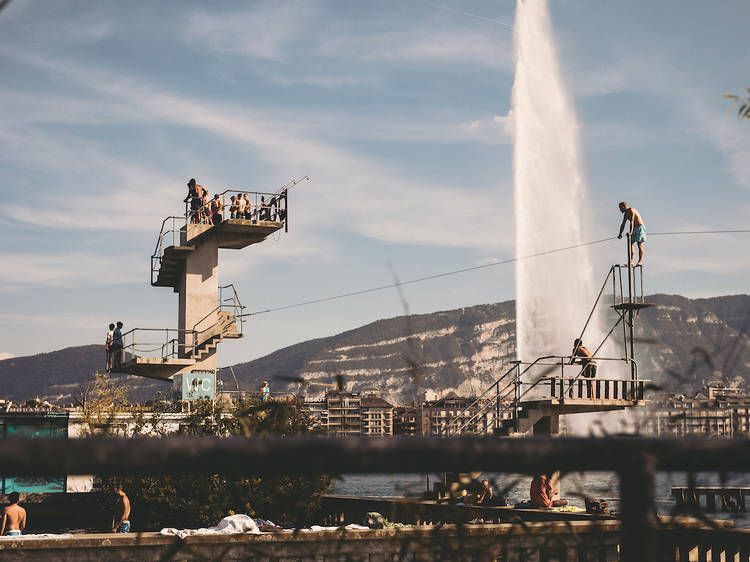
{"x":398,"y":111}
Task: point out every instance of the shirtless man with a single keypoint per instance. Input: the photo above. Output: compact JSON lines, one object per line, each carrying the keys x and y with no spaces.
{"x":122,"y":511}
{"x":241,"y":204}
{"x":195,"y":194}
{"x":14,"y":517}
{"x":248,"y":207}
{"x":542,"y":493}
{"x":637,"y":230}
{"x":585,"y":359}
{"x":216,"y":208}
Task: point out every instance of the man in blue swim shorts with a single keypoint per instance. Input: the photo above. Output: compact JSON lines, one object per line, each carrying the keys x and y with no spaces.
{"x":637,"y":230}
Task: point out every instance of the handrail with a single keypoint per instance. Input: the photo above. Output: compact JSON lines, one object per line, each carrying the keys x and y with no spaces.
{"x":234,"y":304}
{"x":175,"y":231}
{"x":498,"y":392}
{"x":167,"y":347}
{"x":470,"y":406}
{"x":503,"y":394}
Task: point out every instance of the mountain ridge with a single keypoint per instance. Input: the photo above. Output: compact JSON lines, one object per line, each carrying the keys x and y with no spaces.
{"x":687,"y":343}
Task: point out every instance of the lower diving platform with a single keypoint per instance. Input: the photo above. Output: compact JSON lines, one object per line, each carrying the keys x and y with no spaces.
{"x":153,"y":367}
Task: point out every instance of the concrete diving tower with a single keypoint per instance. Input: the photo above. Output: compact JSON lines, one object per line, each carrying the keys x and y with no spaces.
{"x":186,"y":259}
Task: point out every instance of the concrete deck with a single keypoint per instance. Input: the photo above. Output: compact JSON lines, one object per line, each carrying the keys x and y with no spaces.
{"x":237,"y":233}
{"x":579,"y":540}
{"x":230,"y":234}
{"x":153,"y":367}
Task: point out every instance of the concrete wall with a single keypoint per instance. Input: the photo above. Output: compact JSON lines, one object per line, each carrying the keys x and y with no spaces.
{"x":477,"y":542}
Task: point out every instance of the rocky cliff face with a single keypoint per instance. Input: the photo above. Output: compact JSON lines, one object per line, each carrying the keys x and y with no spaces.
{"x":682,"y":343}
{"x":459,"y":350}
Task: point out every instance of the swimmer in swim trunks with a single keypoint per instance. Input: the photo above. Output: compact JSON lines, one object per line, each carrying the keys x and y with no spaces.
{"x":14,"y":517}
{"x":637,"y":230}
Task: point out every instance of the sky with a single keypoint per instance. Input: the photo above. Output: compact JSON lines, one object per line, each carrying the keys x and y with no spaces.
{"x":399,"y":111}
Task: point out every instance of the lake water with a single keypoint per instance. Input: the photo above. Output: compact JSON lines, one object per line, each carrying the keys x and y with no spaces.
{"x":573,"y":487}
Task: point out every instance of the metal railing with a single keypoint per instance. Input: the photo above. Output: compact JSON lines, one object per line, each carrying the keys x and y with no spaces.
{"x":208,"y":326}
{"x":642,"y":535}
{"x":155,"y":343}
{"x":169,"y":343}
{"x":256,"y":206}
{"x":170,"y":235}
{"x":506,"y":400}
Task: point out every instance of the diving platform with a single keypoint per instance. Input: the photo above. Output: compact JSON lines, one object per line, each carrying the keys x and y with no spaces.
{"x":154,"y":367}
{"x":528,"y":397}
{"x":627,"y":306}
{"x":168,"y":262}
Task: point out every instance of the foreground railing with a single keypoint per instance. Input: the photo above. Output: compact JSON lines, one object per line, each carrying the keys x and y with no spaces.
{"x":634,"y":460}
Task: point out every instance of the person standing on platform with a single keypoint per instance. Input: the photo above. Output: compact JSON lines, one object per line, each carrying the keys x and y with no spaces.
{"x":216,"y":208}
{"x":108,"y":345}
{"x":586,"y":361}
{"x":265,"y":392}
{"x":637,"y":230}
{"x":248,"y":207}
{"x":117,"y":345}
{"x":195,"y":196}
{"x":241,"y":206}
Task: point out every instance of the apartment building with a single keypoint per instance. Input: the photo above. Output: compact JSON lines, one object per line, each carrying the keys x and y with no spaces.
{"x":406,"y":420}
{"x":455,"y":415}
{"x":351,"y":414}
{"x":719,"y":412}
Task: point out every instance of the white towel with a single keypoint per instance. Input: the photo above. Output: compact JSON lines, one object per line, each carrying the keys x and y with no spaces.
{"x":39,"y":536}
{"x":229,"y":525}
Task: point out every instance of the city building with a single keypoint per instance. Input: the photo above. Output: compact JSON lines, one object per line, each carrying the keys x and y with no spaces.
{"x":461,"y":414}
{"x":406,"y":420}
{"x":719,"y":412}
{"x":351,"y":414}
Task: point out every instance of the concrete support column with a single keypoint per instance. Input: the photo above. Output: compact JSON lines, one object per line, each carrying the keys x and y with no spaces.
{"x":199,"y":293}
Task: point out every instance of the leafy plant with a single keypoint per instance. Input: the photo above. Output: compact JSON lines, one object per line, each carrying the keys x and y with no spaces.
{"x":190,"y":501}
{"x":744,"y":104}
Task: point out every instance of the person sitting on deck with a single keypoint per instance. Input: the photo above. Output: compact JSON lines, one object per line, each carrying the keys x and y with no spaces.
{"x":14,"y":517}
{"x":542,"y":493}
{"x":487,"y":495}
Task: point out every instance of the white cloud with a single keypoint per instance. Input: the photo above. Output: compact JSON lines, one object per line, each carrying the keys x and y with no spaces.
{"x":424,"y":45}
{"x":356,"y":194}
{"x":74,"y":269}
{"x":262,"y":32}
{"x":496,"y":130}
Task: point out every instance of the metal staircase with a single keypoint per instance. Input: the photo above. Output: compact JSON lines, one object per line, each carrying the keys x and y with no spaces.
{"x":512,"y":405}
{"x":161,"y":353}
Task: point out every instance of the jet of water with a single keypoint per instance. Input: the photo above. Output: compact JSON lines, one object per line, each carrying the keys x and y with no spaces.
{"x":554,"y":294}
